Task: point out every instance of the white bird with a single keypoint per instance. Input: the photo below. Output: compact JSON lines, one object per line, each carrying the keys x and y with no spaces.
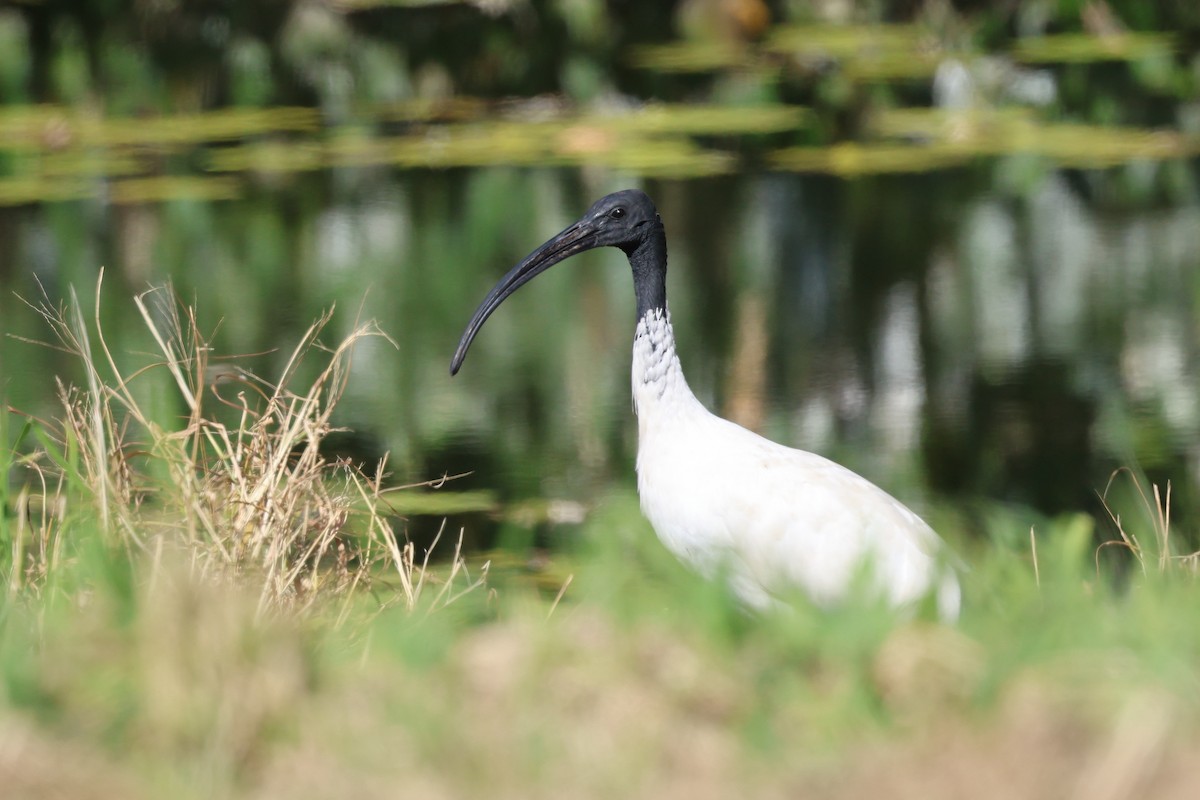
{"x":721,"y":498}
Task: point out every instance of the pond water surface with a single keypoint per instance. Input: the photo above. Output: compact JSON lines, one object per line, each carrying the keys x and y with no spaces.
{"x":967,"y":306}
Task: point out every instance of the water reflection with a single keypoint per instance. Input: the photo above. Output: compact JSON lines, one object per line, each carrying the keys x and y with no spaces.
{"x":946,"y":337}
{"x":957,"y":252}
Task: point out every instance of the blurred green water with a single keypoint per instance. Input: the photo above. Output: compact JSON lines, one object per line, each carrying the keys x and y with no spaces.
{"x":962,"y":263}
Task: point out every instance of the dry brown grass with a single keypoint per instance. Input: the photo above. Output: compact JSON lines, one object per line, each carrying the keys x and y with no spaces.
{"x":1158,"y":554}
{"x":238,"y":481}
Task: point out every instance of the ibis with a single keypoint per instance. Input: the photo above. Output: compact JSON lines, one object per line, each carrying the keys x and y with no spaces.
{"x":723,"y":499}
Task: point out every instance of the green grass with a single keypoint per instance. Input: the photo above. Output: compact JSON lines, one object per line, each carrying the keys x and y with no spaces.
{"x":204,"y":607}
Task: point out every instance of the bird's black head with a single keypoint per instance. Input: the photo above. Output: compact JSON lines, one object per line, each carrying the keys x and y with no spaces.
{"x":622,"y":219}
{"x":625,"y":219}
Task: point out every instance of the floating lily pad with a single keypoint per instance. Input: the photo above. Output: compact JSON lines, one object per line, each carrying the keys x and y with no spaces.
{"x":1091,"y":146}
{"x":851,"y":159}
{"x":645,"y":141}
{"x":532,"y":144}
{"x":988,"y":132}
{"x":875,"y":52}
{"x":1082,"y":48}
{"x":949,"y":125}
{"x":894,"y":67}
{"x":173,"y":187}
{"x":302,"y":156}
{"x":712,"y":120}
{"x":999,"y":132}
{"x":661,"y":158}
{"x":53,"y":128}
{"x":233,"y":123}
{"x":687,"y":57}
{"x":36,"y":128}
{"x":846,"y":41}
{"x":413,"y":502}
{"x":18,"y":191}
{"x":865,"y":53}
{"x":73,"y":163}
{"x":471,"y":145}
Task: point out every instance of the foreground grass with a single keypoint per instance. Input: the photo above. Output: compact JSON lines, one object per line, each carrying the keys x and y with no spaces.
{"x":158,"y":639}
{"x":642,"y":682}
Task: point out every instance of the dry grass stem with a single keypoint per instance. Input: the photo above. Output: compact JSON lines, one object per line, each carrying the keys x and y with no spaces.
{"x":1037,"y":576}
{"x":238,"y":480}
{"x":1157,"y":507}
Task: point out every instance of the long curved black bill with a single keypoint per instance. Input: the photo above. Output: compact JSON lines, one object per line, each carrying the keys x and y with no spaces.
{"x":574,"y":239}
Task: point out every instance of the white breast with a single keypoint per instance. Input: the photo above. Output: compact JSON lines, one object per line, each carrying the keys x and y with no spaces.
{"x":722,"y":497}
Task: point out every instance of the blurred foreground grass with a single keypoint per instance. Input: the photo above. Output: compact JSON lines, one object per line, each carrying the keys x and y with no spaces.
{"x":198,"y":604}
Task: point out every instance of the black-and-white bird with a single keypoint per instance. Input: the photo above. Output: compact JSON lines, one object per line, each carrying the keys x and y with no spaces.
{"x":724,"y":499}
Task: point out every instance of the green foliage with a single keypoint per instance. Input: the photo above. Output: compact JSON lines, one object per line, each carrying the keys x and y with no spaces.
{"x":640,"y":674}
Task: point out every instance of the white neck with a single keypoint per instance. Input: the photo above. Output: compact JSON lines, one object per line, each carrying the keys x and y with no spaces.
{"x":659,"y":389}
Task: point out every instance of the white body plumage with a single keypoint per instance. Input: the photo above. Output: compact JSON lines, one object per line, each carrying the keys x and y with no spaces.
{"x":721,"y":497}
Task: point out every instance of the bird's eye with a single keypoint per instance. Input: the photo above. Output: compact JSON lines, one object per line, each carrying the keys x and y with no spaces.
{"x":617,"y":213}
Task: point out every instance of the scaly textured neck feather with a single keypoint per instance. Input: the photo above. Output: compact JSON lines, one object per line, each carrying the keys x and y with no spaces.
{"x":660,"y":391}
